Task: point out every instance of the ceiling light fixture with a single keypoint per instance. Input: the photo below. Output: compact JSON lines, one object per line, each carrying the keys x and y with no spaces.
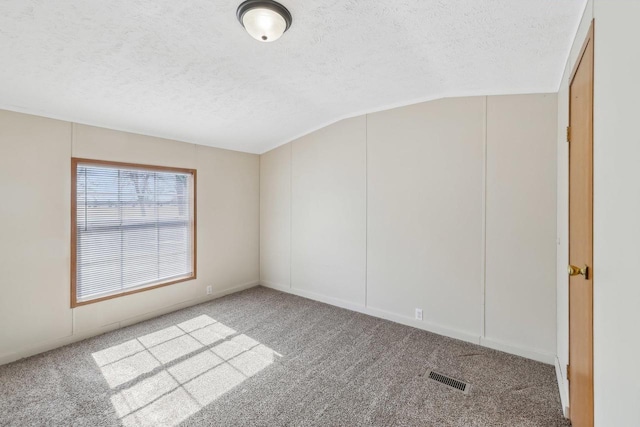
{"x":264,"y":20}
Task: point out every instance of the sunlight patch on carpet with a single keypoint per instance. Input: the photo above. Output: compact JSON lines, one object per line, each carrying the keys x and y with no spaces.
{"x":163,"y":378}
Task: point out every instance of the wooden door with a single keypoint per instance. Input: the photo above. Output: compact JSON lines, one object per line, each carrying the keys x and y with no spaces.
{"x":580,"y":370}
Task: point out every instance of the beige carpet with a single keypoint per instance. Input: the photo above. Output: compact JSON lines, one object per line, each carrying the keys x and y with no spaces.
{"x":262,"y":357}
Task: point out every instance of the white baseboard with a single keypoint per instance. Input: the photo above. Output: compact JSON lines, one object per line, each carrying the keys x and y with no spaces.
{"x":179,"y":306}
{"x":563,"y":386}
{"x":55,"y":343}
{"x":424,"y":325}
{"x":316,"y":297}
{"x":375,"y":312}
{"x":79,"y":336}
{"x":529,"y":353}
{"x":427,"y":326}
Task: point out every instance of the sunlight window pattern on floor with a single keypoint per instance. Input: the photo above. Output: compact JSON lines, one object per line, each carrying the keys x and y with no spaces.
{"x":162,"y":378}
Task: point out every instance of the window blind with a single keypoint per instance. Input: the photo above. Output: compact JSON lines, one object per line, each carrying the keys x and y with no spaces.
{"x":134,"y":228}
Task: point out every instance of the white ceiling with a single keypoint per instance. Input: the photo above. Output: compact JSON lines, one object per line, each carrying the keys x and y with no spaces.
{"x":187,"y":70}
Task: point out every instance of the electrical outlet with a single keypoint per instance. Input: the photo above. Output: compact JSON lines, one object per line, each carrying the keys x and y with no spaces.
{"x":418,"y":314}
{"x":209,"y":290}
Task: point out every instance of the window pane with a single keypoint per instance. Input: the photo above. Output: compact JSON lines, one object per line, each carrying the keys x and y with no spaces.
{"x":134,"y":228}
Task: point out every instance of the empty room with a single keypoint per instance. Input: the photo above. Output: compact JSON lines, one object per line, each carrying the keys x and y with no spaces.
{"x":319,"y":213}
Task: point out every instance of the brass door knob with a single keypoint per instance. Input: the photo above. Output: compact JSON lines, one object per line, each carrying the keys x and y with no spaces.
{"x":574,"y":271}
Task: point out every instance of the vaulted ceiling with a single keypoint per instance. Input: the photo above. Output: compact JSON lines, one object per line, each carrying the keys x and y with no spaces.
{"x":187,"y":70}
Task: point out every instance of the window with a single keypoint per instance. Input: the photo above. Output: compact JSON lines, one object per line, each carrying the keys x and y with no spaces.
{"x":133,"y":228}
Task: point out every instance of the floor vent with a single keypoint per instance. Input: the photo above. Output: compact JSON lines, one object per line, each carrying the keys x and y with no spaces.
{"x":450,"y":382}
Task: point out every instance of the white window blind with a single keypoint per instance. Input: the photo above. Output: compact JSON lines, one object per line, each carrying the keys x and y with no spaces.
{"x":134,"y":228}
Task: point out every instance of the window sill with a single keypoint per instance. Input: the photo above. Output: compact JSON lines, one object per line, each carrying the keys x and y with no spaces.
{"x":75,"y":304}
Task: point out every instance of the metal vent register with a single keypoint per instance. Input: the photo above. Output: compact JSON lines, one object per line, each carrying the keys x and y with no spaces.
{"x":449,"y":382}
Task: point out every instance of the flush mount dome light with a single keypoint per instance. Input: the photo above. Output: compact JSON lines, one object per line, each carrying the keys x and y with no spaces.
{"x":264,"y":20}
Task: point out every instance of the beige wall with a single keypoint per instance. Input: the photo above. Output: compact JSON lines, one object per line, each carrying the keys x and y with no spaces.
{"x":35,"y":220}
{"x":328,"y":212}
{"x":425,"y":213}
{"x":520,"y":222}
{"x":423,"y":172}
{"x":35,"y":160}
{"x":616,"y":230}
{"x":275,"y":216}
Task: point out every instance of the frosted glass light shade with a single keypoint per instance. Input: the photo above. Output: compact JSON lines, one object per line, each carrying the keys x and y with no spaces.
{"x":264,"y":25}
{"x":264,"y":20}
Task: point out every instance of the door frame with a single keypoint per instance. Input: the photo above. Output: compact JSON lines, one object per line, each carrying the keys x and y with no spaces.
{"x":589,"y":39}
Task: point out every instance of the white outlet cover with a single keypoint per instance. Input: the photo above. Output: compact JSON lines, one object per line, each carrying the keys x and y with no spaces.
{"x":418,"y":314}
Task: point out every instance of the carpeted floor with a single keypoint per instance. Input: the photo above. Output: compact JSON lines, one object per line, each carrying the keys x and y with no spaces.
{"x":262,"y":357}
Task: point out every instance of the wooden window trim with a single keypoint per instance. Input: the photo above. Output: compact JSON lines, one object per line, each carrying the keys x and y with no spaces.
{"x":74,"y":232}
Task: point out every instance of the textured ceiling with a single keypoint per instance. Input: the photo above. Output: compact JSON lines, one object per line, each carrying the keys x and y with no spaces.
{"x":187,"y":70}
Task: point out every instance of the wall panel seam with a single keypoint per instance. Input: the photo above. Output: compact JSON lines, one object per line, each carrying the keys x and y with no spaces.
{"x":483,"y":278}
{"x":291,"y":215}
{"x":366,"y":210}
